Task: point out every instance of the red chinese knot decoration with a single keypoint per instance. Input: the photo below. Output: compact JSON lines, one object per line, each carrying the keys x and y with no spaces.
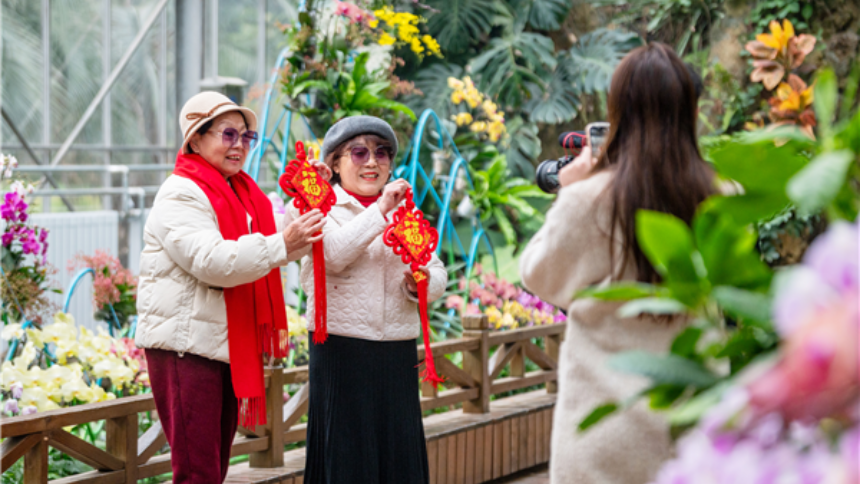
{"x":414,"y":240}
{"x":309,"y":191}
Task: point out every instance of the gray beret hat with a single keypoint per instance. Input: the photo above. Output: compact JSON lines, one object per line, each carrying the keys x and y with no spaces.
{"x":348,"y":128}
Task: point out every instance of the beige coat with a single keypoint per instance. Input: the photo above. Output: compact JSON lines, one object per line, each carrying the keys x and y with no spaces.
{"x":184,"y":266}
{"x":367,"y":296}
{"x":569,"y":253}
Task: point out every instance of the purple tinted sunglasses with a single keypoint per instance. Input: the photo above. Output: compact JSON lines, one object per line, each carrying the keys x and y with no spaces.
{"x":230,"y":135}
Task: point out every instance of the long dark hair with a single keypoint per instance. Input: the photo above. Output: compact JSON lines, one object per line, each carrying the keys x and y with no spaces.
{"x":652,"y":147}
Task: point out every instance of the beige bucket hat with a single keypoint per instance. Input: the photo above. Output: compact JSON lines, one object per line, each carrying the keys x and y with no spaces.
{"x":206,"y":106}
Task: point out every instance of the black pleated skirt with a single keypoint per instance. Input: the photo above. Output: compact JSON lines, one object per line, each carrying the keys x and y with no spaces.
{"x":364,"y":413}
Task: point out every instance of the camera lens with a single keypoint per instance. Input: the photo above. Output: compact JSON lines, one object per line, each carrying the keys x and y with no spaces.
{"x":546,"y":176}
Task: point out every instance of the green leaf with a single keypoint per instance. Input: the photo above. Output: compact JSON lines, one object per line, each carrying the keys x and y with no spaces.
{"x":458,"y":23}
{"x":663,"y":369}
{"x":668,"y":243}
{"x":819,"y":182}
{"x":509,"y":67}
{"x":594,"y":58}
{"x":662,"y":396}
{"x":685,"y":343}
{"x":505,"y":225}
{"x":748,"y":305}
{"x":597,"y":415}
{"x":760,"y":167}
{"x":621,"y":291}
{"x":748,"y":208}
{"x":559,"y":103}
{"x":729,"y":252}
{"x":826,"y":94}
{"x":651,"y":305}
{"x":689,"y":412}
{"x":359,"y":67}
{"x":548,"y":14}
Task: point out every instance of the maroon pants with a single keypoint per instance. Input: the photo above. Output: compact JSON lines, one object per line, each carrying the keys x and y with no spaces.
{"x":199,"y":412}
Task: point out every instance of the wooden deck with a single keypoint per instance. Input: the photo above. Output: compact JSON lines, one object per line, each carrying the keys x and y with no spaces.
{"x":462,"y":448}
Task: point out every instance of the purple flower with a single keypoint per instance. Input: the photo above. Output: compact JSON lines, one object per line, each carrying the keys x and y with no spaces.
{"x":11,"y":406}
{"x":17,"y":390}
{"x":849,"y":447}
{"x":559,"y":318}
{"x":29,"y":410}
{"x":527,"y":300}
{"x":13,"y":207}
{"x":43,"y":235}
{"x":30,"y":244}
{"x":834,"y":256}
{"x":8,"y":238}
{"x":800,"y":293}
{"x":545,"y":307}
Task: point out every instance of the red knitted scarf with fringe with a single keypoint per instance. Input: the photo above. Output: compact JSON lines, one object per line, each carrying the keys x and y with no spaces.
{"x":256,"y":315}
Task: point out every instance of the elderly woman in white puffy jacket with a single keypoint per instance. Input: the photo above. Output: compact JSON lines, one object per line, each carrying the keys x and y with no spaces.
{"x":209,"y":299}
{"x":364,"y":420}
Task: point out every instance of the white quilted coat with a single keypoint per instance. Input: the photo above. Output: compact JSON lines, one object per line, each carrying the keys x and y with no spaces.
{"x":367,"y":296}
{"x":184,"y":266}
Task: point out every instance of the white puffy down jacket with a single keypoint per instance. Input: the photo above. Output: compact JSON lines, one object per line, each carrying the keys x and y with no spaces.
{"x":184,"y":266}
{"x":367,"y":296}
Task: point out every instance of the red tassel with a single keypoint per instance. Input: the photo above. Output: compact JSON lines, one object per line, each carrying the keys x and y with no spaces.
{"x":429,"y":374}
{"x":252,"y":411}
{"x":320,"y":307}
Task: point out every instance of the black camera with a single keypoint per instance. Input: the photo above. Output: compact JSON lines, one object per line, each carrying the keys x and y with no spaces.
{"x":546,"y":175}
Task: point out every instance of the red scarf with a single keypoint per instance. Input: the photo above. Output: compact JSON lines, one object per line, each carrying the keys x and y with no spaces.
{"x":256,"y":315}
{"x":365,"y":201}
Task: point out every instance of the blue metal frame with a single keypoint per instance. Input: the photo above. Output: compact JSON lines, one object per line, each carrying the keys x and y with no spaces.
{"x":80,"y":275}
{"x":414,"y":172}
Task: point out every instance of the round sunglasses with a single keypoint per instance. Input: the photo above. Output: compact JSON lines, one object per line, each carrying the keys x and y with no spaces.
{"x":229,"y":136}
{"x":361,"y":155}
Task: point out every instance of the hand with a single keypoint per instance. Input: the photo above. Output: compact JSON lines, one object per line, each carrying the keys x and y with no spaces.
{"x":304,"y":230}
{"x":322,"y":169}
{"x":392,"y":195}
{"x":579,"y":169}
{"x":409,"y":279}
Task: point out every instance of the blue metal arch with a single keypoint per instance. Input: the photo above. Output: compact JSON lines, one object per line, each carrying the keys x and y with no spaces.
{"x":114,"y":323}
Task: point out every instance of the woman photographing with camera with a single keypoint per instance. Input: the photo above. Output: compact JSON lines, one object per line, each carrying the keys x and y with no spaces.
{"x":650,"y":161}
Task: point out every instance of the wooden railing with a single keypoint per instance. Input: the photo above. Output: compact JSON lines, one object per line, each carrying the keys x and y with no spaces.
{"x":127,"y":457}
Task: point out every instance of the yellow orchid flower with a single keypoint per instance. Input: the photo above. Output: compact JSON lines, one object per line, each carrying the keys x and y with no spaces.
{"x":779,"y":35}
{"x":114,"y":369}
{"x":455,"y":83}
{"x":38,"y":398}
{"x":457,"y":97}
{"x":77,"y":389}
{"x":12,"y":331}
{"x":64,"y":318}
{"x":373,"y":23}
{"x":463,"y":119}
{"x":478,"y":126}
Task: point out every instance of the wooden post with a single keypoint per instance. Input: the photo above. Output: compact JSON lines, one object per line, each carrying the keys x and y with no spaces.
{"x":476,"y":363}
{"x":518,"y":363}
{"x":273,"y":456}
{"x":121,"y":442}
{"x":36,"y":462}
{"x":553,"y":343}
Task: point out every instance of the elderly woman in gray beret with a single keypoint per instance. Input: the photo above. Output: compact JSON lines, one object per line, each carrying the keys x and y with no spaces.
{"x":364,"y":421}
